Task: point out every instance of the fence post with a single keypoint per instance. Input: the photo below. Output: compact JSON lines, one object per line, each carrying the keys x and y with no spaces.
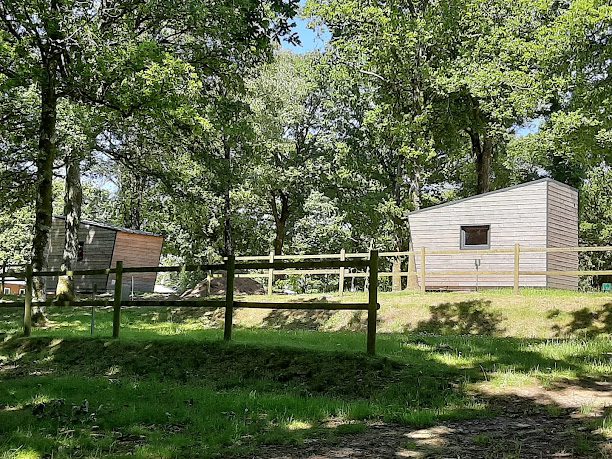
{"x":372,"y":301}
{"x":27,"y":311}
{"x":117,"y":299}
{"x":423,"y":270}
{"x":94,"y":294}
{"x":229,"y":296}
{"x":341,"y":281}
{"x":396,"y":270}
{"x":3,"y":272}
{"x":271,"y":274}
{"x":517,"y":263}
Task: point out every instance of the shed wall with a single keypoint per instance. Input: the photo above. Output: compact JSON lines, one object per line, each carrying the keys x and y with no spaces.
{"x":562,"y":232}
{"x":14,"y":287}
{"x":514,"y":215}
{"x":137,"y":250}
{"x":97,"y":254}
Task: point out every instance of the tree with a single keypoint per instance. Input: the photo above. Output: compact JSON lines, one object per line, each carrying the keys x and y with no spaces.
{"x":575,"y":129}
{"x":454,"y":76}
{"x":105,"y":54}
{"x":286,"y":103}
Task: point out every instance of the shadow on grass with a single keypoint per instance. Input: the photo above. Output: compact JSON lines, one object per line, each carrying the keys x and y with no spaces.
{"x":473,"y":317}
{"x":296,"y":319}
{"x":587,"y":322}
{"x":189,"y":398}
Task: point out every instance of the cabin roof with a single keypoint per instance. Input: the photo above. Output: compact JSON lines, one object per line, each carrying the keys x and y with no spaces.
{"x":113,"y":227}
{"x":501,"y":190}
{"x":14,"y":281}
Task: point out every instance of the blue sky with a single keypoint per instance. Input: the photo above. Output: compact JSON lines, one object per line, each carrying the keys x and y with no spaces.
{"x":311,"y":39}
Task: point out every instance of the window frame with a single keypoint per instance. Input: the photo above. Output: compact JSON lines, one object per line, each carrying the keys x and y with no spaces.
{"x":462,"y":237}
{"x":6,"y":291}
{"x":22,"y":291}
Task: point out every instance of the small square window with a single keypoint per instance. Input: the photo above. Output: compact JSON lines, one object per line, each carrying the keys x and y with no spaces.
{"x":475,"y":237}
{"x":22,"y":291}
{"x":7,"y":291}
{"x":81,"y":251}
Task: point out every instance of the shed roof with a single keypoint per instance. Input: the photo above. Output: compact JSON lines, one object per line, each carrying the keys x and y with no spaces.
{"x":501,"y":190}
{"x":113,"y":228}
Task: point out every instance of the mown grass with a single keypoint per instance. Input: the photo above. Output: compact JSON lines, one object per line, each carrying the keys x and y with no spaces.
{"x":170,"y":387}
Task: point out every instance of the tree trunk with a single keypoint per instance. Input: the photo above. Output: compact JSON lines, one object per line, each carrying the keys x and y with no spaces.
{"x":228,"y":240}
{"x":280,"y":220}
{"x":44,"y":186}
{"x":132,"y":192}
{"x":73,"y":200}
{"x":482,"y":149}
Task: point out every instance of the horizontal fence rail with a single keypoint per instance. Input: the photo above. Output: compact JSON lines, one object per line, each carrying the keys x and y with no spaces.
{"x":283,"y":266}
{"x":362,"y":265}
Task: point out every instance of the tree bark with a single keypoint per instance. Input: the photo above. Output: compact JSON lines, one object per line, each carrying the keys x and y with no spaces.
{"x":73,"y":199}
{"x":44,"y":187}
{"x":482,"y":149}
{"x":280,"y":220}
{"x":228,"y":240}
{"x":132,"y":192}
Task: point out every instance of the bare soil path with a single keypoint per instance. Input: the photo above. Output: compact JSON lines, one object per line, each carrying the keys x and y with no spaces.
{"x":559,"y":422}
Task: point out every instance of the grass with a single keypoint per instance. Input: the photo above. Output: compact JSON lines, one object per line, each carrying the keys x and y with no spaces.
{"x":171,"y":388}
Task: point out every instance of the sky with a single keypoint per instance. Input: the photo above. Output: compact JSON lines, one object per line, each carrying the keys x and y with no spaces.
{"x":312,"y":40}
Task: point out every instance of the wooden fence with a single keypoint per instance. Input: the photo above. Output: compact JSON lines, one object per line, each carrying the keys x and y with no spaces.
{"x":230,"y":266}
{"x":421,"y":273}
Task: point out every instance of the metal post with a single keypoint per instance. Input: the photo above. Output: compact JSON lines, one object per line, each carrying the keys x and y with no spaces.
{"x":372,"y":302}
{"x":229,"y":297}
{"x":27,"y":312}
{"x":117,"y":299}
{"x":341,"y":281}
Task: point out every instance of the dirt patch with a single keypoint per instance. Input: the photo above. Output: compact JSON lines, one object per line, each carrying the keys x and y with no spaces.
{"x":585,"y":397}
{"x":520,"y":430}
{"x":242,"y":285}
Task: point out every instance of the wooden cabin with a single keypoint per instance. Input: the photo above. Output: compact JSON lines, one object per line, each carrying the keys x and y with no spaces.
{"x":101,"y":246}
{"x":542,"y":213}
{"x":12,"y":286}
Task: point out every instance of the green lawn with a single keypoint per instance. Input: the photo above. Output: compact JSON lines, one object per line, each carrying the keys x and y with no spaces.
{"x":169,"y":387}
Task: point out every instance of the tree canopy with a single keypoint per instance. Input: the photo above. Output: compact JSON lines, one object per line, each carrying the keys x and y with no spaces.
{"x":188,"y":119}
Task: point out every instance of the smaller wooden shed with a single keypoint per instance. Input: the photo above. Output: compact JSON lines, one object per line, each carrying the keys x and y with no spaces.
{"x":538,"y":214}
{"x":12,"y":286}
{"x":101,"y":246}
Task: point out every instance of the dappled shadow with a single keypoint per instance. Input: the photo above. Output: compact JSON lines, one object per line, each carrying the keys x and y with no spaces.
{"x":277,"y":395}
{"x":465,"y":318}
{"x":520,"y":428}
{"x":588,"y":322}
{"x":358,"y":322}
{"x":298,"y":319}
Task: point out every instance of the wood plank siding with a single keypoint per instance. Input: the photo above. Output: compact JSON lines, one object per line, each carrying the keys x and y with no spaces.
{"x":517,"y":214}
{"x":136,"y":250}
{"x":103,"y":246}
{"x":562,"y":232}
{"x":98,"y":245}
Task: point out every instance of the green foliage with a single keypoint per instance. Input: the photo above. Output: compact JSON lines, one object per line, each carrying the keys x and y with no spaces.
{"x":15,"y":235}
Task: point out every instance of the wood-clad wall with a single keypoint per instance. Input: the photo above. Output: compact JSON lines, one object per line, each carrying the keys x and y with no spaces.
{"x":97,"y":253}
{"x":515,"y":215}
{"x":562,"y":232}
{"x":137,"y":250}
